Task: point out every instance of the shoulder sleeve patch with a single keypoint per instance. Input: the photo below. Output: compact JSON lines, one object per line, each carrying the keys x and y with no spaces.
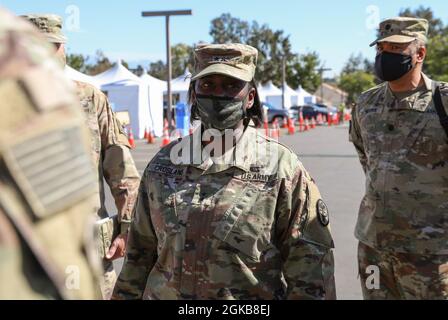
{"x":47,"y":90}
{"x":317,"y":227}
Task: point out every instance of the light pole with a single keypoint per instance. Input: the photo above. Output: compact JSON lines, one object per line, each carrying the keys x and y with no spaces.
{"x":321,"y":72}
{"x":167,"y":15}
{"x":283,"y":80}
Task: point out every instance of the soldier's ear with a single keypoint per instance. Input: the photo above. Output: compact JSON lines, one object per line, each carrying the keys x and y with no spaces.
{"x":251,"y":98}
{"x":421,"y":54}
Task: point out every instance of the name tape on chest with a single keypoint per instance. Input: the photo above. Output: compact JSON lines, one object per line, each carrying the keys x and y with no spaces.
{"x":167,"y":170}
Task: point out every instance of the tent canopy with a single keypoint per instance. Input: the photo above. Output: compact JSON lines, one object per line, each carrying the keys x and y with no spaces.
{"x":305,"y":97}
{"x":181,"y":83}
{"x":141,"y":98}
{"x":116,"y":74}
{"x":272,"y":95}
{"x":289,"y":91}
{"x":269,"y":89}
{"x":147,"y":78}
{"x":79,"y":76}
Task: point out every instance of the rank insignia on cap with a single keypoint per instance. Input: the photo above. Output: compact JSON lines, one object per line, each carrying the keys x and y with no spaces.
{"x":322,"y":213}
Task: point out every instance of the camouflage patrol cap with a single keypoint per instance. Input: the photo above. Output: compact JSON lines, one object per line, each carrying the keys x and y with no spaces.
{"x":49,"y":24}
{"x":402,"y":30}
{"x":235,"y":60}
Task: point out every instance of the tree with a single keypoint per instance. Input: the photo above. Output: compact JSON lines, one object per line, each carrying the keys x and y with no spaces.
{"x":357,"y":63}
{"x":436,"y":62}
{"x":304,"y":72}
{"x":273,"y":47}
{"x":181,"y":58}
{"x":124,"y":63}
{"x":77,"y":61}
{"x":227,"y":29}
{"x":355,"y":83}
{"x":102,"y":63}
{"x":436,"y":26}
{"x":158,"y":69}
{"x":356,"y":76}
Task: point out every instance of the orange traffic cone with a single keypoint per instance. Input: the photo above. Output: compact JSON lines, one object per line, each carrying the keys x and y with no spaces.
{"x":319,"y":119}
{"x":131,"y":138}
{"x":291,"y":128}
{"x":266,"y":127}
{"x":145,"y":135}
{"x":285,"y":123}
{"x":277,"y":128}
{"x":150,"y":137}
{"x":346,"y":117}
{"x":166,"y":135}
{"x":329,"y":119}
{"x":301,"y":122}
{"x":306,"y":125}
{"x":274,"y":130}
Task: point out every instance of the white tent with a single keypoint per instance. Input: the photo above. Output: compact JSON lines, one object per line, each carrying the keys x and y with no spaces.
{"x":130,"y":94}
{"x":291,"y":97}
{"x":272,"y":95}
{"x":115,"y":74}
{"x":156,"y":88}
{"x":79,"y":76}
{"x":304,"y":97}
{"x":180,"y":86}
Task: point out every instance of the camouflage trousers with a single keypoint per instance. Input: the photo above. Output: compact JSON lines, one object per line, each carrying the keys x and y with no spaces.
{"x":108,"y":281}
{"x":396,"y":276}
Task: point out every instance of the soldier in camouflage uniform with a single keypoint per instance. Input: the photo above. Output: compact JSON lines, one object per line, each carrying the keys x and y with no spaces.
{"x":110,"y":150}
{"x":47,"y":184}
{"x":247,"y":223}
{"x":402,"y":225}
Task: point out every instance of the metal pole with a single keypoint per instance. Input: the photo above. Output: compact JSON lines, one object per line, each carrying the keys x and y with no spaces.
{"x":321,"y":71}
{"x":283,"y":82}
{"x":168,"y":75}
{"x":322,"y":87}
{"x":167,"y":15}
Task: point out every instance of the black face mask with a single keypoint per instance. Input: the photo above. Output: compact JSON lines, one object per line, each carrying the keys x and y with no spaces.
{"x":392,"y":66}
{"x":221,"y":112}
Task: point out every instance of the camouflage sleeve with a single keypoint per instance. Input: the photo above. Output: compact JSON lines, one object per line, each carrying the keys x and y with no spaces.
{"x":141,"y":251}
{"x":118,"y":166}
{"x":356,"y":139}
{"x":306,"y":242}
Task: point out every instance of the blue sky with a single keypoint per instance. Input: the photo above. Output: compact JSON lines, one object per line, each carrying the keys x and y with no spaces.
{"x":334,"y":29}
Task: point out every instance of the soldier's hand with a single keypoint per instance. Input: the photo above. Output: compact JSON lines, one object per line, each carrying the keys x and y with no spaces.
{"x":118,"y":247}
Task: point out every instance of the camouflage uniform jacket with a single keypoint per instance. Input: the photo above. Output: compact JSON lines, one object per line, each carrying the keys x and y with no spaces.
{"x":242,"y":229}
{"x":403,"y":150}
{"x":47,"y":184}
{"x":110,"y":151}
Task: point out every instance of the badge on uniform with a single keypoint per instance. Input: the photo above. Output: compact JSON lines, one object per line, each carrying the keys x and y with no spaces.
{"x":322,"y":213}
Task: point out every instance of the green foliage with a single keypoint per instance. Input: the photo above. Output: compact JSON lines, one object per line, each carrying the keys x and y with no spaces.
{"x":436,"y":62}
{"x":227,"y":29}
{"x":354,"y":83}
{"x":303,"y":72}
{"x":181,"y":58}
{"x":273,"y":47}
{"x":436,"y":26}
{"x":102,"y":63}
{"x":77,"y":61}
{"x":358,"y":62}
